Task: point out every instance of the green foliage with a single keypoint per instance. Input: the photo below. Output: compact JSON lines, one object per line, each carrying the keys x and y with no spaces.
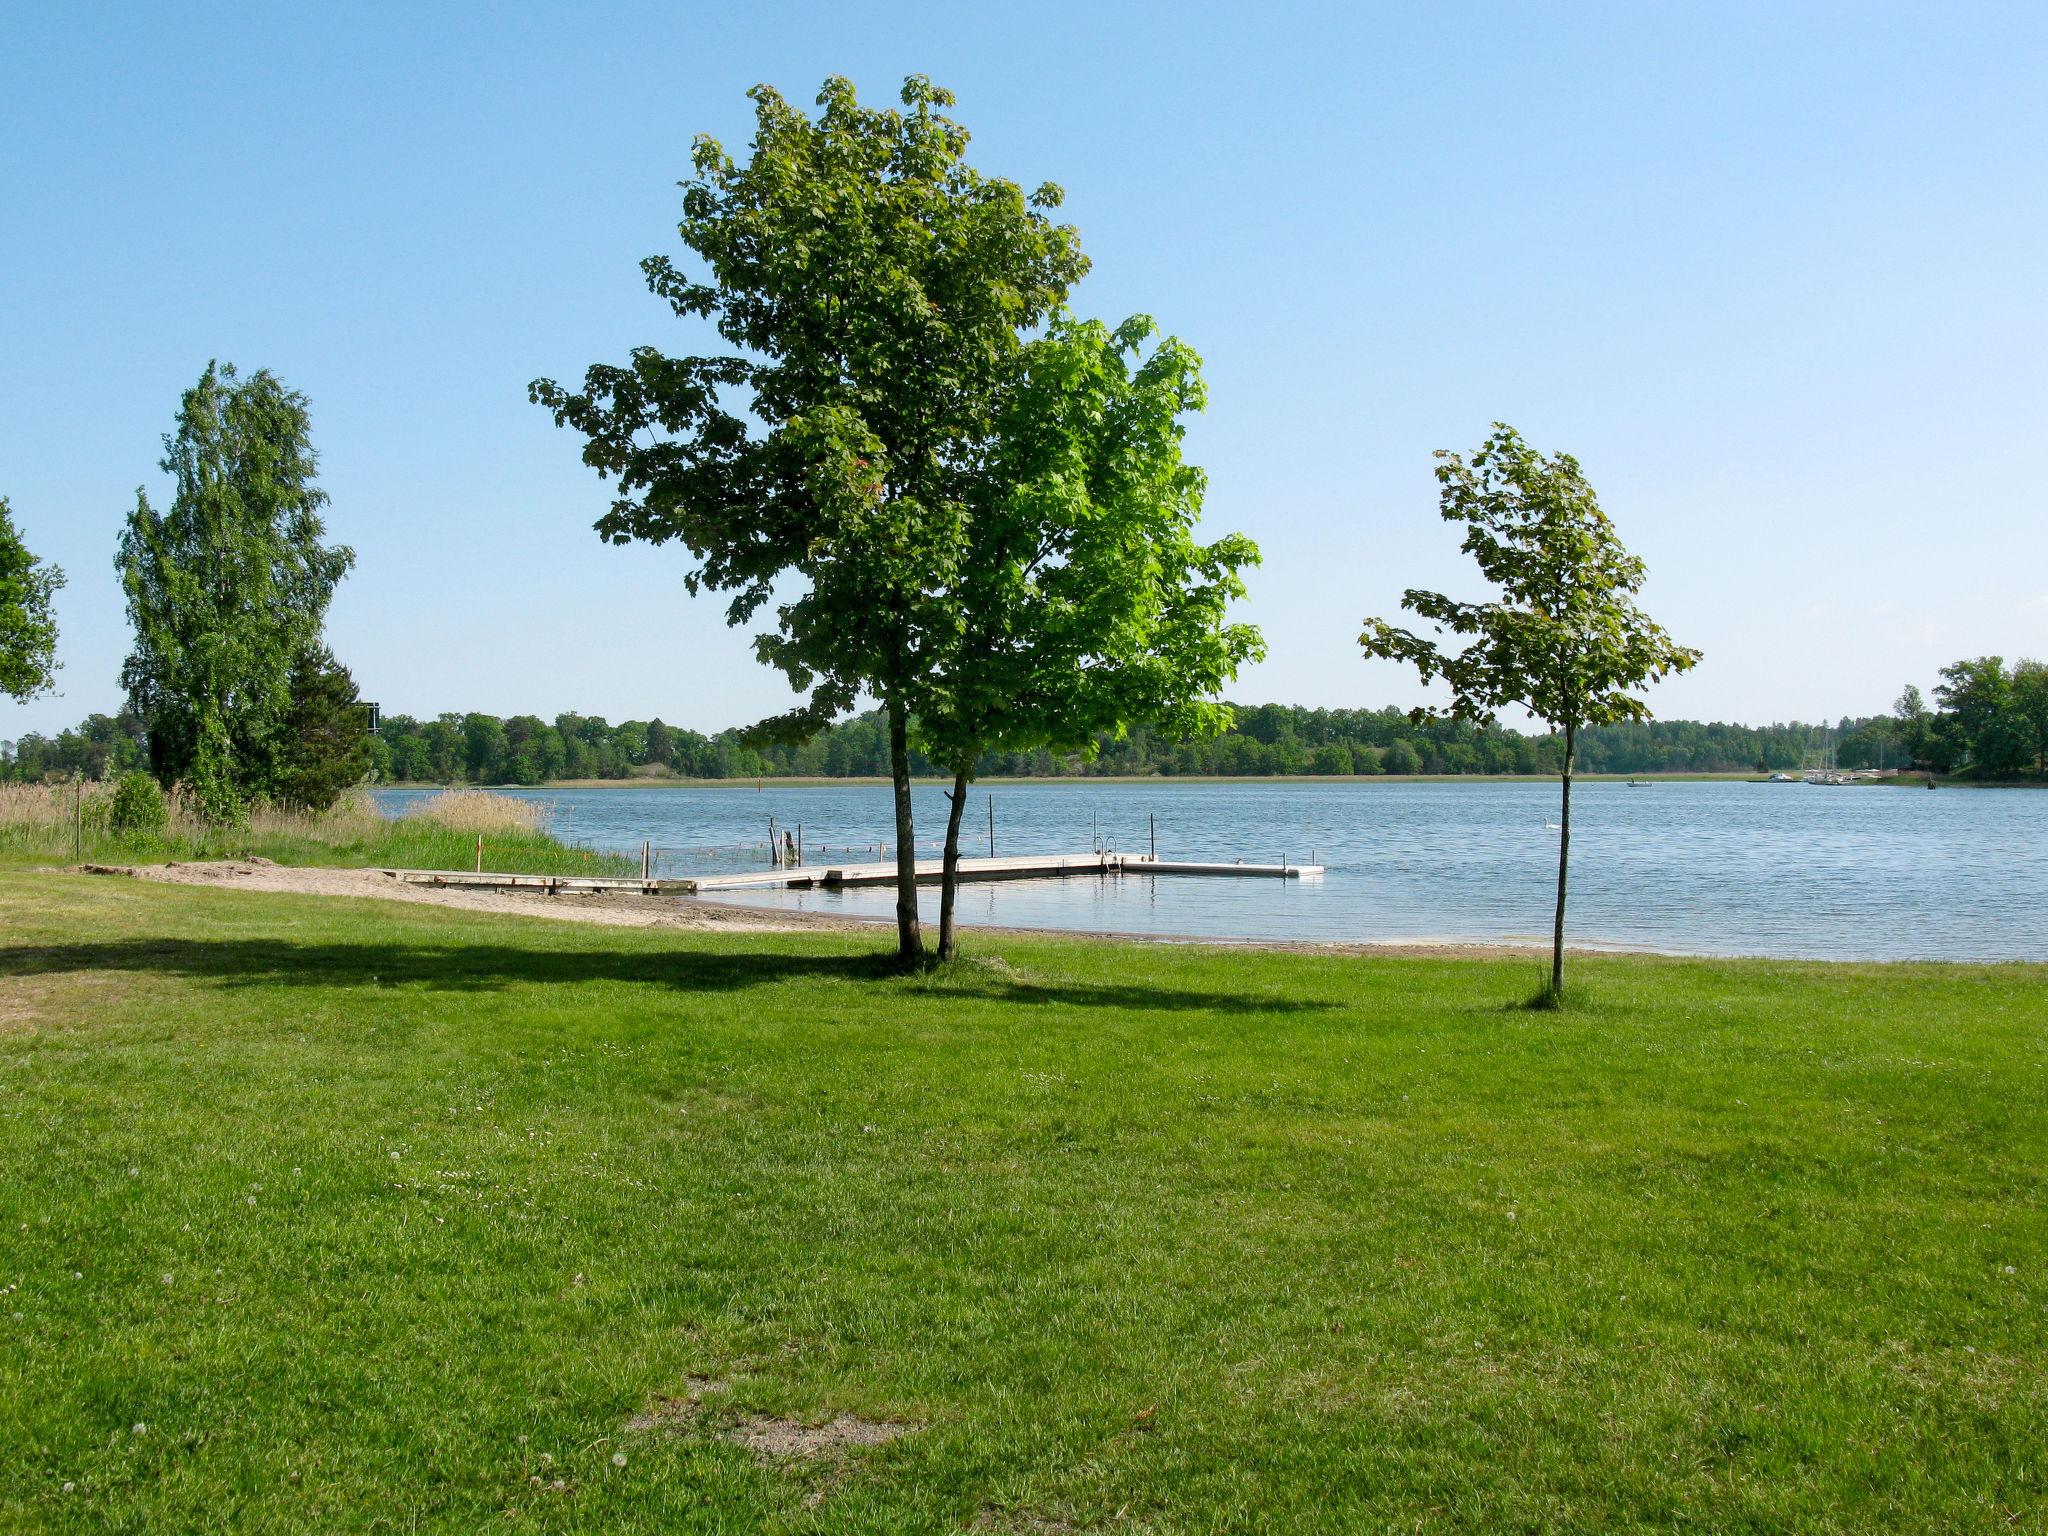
{"x":2030,"y":708}
{"x":138,"y":806}
{"x":28,"y":628}
{"x":1911,"y":723}
{"x":100,"y":747}
{"x":228,"y":589}
{"x":1403,"y":758}
{"x":1564,"y":638}
{"x":874,"y":289}
{"x":325,"y":734}
{"x":1082,"y":604}
{"x":1994,"y":719}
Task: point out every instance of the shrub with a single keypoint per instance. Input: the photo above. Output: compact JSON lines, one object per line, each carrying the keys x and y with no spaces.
{"x":326,"y":732}
{"x":1334,"y":757}
{"x":139,"y":807}
{"x":1402,"y":758}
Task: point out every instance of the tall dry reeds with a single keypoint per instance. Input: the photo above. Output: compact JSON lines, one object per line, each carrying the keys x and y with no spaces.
{"x":30,"y":811}
{"x":478,"y":810}
{"x":63,"y":821}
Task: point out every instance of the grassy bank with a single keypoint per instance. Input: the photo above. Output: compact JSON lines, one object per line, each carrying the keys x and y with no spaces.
{"x":321,"y":1215}
{"x":74,"y":822}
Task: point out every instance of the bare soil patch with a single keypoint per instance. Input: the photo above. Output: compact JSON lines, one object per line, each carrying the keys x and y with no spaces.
{"x":774,"y":1439}
{"x":60,"y":1001}
{"x":770,"y":1437}
{"x":673,"y":1412}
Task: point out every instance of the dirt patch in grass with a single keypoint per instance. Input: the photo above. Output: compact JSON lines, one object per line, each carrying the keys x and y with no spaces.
{"x":65,"y":1000}
{"x":770,"y":1437}
{"x":675,"y":1412}
{"x":775,"y":1439}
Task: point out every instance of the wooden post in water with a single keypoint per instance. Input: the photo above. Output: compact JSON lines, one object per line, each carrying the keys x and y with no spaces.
{"x":774,"y":848}
{"x":991,"y":826}
{"x":1153,"y":822}
{"x":799,"y":845}
{"x":646,"y":858}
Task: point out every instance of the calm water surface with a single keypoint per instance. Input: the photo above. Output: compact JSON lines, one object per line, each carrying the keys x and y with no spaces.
{"x":1710,"y":868}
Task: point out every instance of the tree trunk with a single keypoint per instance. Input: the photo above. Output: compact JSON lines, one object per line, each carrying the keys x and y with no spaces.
{"x":949,"y":883}
{"x":909,"y":936}
{"x":1564,"y":855}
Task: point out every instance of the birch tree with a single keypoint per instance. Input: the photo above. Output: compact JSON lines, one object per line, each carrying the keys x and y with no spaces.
{"x":228,"y":588}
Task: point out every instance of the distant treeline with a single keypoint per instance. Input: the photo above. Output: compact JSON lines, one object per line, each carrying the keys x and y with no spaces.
{"x":1268,"y":739}
{"x":1991,"y":721}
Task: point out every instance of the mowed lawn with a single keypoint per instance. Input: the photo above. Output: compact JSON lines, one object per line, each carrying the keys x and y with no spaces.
{"x":343,"y":1216}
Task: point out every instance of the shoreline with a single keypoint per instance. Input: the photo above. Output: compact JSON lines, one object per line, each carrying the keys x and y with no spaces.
{"x":1902,"y":780}
{"x":702,"y":915}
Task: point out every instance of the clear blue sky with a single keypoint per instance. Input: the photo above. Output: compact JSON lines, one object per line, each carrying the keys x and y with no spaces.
{"x":1774,"y":272}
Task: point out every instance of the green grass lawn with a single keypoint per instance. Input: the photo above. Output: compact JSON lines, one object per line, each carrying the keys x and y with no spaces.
{"x":343,"y":1216}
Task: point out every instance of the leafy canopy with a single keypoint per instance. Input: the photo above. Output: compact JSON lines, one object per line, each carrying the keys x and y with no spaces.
{"x":872,"y":289}
{"x":28,"y":627}
{"x":1084,"y":602}
{"x":1986,"y":714}
{"x":1564,"y":639}
{"x":229,"y":588}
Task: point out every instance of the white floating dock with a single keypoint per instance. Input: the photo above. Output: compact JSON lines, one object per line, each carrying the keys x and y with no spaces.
{"x":812,"y":876}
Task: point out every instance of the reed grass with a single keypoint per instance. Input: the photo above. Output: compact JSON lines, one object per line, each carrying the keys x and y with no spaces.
{"x":72,"y":822}
{"x":478,"y":810}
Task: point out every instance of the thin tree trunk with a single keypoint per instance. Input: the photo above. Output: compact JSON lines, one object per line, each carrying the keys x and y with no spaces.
{"x":949,"y":884}
{"x":1564,"y":855}
{"x":909,"y":936}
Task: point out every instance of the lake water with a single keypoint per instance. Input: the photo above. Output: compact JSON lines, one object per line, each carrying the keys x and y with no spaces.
{"x":1864,"y":872}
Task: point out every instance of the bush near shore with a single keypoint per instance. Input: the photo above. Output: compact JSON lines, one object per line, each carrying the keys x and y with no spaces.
{"x":99,"y":822}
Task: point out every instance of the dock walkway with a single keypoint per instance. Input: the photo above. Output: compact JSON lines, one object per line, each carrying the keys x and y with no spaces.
{"x":834,"y":876}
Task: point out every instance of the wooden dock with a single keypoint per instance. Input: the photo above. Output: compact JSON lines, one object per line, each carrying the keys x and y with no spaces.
{"x":547,"y":885}
{"x":830,"y":876}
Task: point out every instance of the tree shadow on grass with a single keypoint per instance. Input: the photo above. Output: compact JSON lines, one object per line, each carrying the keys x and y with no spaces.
{"x":283,"y":963}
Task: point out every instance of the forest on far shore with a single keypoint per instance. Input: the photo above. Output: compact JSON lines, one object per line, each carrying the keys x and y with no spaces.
{"x":1988,"y":722}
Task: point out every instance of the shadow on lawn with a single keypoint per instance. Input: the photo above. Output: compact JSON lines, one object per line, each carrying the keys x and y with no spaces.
{"x":492,"y":967}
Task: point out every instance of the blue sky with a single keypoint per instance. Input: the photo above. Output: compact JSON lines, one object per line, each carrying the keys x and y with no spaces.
{"x":1773,"y":272}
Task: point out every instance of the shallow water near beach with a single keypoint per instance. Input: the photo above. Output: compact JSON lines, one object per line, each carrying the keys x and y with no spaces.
{"x":1864,"y":872}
